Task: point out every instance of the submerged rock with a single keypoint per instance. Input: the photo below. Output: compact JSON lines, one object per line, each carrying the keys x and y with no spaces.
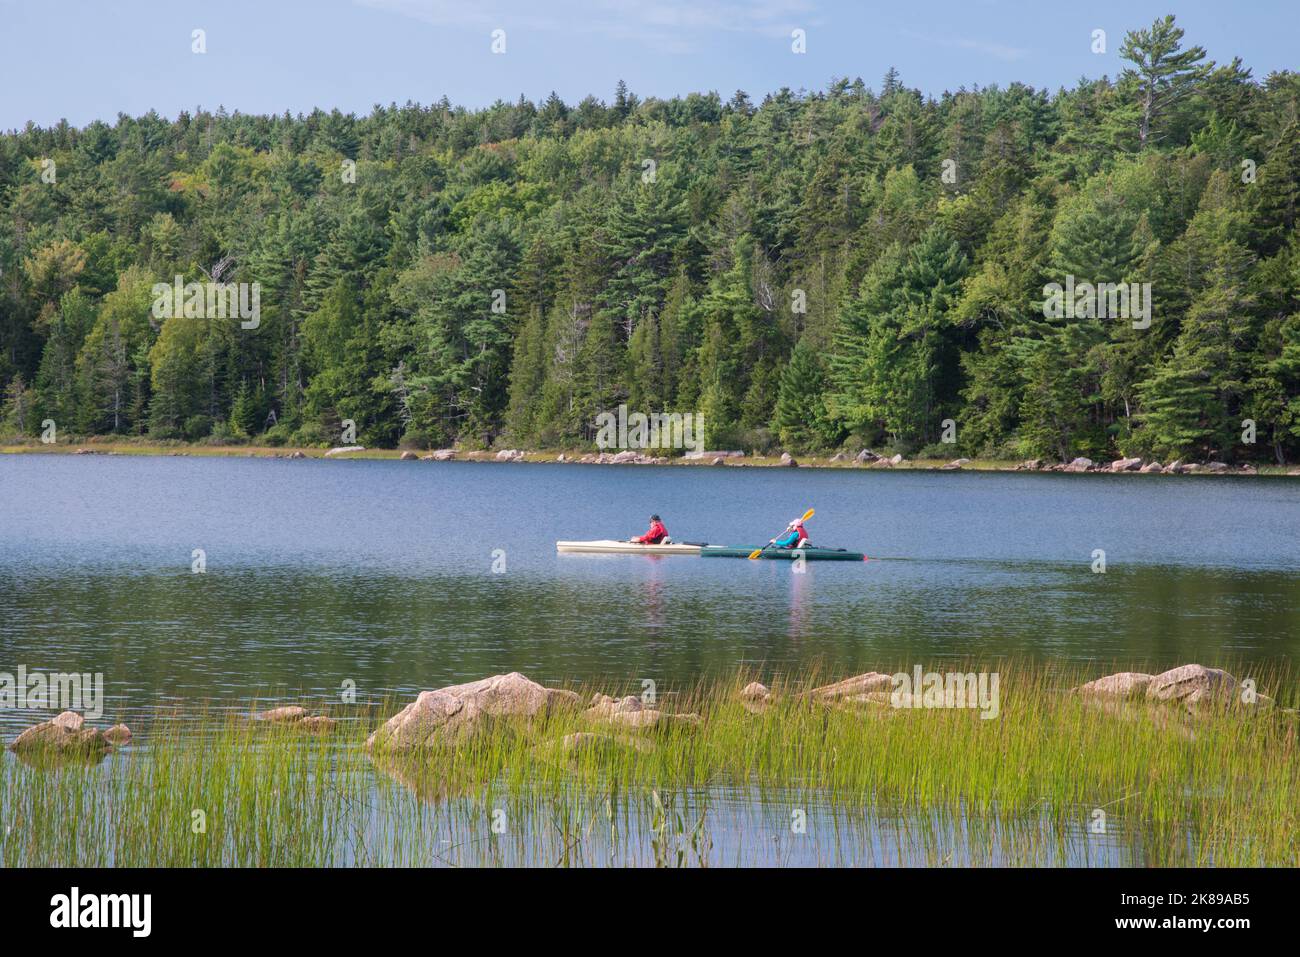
{"x":281,"y":715}
{"x":65,"y":733}
{"x":317,"y":724}
{"x":633,"y":713}
{"x":297,"y":718}
{"x":1125,"y":684}
{"x":755,"y":697}
{"x":458,"y":711}
{"x":850,"y":687}
{"x":118,"y":735}
{"x":602,"y":705}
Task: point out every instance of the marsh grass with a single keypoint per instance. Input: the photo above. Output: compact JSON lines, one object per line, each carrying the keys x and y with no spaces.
{"x":875,"y":785}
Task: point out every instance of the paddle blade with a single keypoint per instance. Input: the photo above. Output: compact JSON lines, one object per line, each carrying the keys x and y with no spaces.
{"x":755,"y":553}
{"x":807,"y":515}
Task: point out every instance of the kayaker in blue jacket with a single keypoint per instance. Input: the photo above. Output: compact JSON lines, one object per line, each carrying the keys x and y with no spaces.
{"x":794,"y":537}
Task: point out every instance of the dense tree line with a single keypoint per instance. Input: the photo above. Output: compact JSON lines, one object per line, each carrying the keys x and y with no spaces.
{"x":842,"y":267}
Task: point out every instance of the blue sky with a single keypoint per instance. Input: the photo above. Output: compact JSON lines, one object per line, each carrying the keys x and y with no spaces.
{"x":91,"y":59}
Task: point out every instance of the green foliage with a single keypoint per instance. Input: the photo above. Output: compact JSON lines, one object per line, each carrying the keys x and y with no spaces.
{"x":895,"y":361}
{"x":504,"y":275}
{"x":802,"y":418}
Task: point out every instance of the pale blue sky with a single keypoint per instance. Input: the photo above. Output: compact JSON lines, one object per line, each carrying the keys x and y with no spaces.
{"x":91,"y":59}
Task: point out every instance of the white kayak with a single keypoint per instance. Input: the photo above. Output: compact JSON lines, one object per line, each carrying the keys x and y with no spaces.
{"x":610,"y":547}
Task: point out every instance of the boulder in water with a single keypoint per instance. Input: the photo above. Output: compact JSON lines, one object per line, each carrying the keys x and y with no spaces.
{"x":459,"y":711}
{"x":118,"y":735}
{"x":66,"y":733}
{"x":281,"y":715}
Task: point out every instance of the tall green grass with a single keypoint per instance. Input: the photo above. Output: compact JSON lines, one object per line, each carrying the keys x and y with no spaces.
{"x":874,"y":785}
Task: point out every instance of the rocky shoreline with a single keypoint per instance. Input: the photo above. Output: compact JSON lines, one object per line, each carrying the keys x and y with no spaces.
{"x":863,"y":459}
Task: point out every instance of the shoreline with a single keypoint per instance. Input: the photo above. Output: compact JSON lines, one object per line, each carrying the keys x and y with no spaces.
{"x":98,"y":445}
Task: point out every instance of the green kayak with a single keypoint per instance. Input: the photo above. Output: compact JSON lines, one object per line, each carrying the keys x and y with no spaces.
{"x":787,"y":554}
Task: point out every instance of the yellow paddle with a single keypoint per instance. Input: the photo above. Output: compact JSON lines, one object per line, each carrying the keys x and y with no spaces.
{"x":759,"y":551}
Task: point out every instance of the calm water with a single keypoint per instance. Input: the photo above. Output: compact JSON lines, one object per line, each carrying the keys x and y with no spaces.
{"x":381,"y":573}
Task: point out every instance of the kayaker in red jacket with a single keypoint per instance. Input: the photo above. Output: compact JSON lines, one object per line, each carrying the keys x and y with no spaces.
{"x":655,"y":535}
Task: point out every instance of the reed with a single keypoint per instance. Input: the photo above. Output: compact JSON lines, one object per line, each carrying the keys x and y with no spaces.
{"x":798,"y":782}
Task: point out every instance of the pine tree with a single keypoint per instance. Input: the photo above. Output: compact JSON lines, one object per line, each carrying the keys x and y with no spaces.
{"x":1181,"y":414}
{"x":16,"y":412}
{"x":1277,"y":199}
{"x":1165,"y":75}
{"x":802,"y":421}
{"x":245,"y":419}
{"x":895,"y":368}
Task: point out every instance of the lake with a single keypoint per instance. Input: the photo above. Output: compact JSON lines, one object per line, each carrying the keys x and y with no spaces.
{"x":379,"y":574}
